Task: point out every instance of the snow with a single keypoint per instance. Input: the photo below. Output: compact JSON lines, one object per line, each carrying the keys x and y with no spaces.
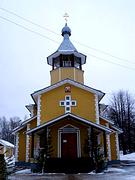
{"x":24,"y":171}
{"x":110,"y":170}
{"x":6,"y":143}
{"x":115,"y":170}
{"x":128,"y":157}
{"x":10,"y":161}
{"x":93,"y":172}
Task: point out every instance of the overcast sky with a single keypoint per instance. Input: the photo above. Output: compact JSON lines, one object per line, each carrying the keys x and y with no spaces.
{"x":106,"y":25}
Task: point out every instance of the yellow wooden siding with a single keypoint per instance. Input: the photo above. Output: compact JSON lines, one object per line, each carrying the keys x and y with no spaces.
{"x":35,"y":110}
{"x":22,"y":140}
{"x":55,"y":76}
{"x":51,"y":109}
{"x":66,"y":72}
{"x":113,"y":146}
{"x":22,"y":145}
{"x":33,"y":123}
{"x":79,"y":75}
{"x":103,"y":122}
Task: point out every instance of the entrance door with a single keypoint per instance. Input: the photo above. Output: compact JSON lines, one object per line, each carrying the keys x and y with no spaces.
{"x":69,"y":145}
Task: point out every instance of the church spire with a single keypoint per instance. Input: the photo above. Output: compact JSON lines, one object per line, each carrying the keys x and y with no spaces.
{"x":66,"y":44}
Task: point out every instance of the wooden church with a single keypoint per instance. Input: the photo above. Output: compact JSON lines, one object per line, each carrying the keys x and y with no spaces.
{"x":66,"y":120}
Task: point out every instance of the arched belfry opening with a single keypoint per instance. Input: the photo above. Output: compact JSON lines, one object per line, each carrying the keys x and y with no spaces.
{"x":67,"y":61}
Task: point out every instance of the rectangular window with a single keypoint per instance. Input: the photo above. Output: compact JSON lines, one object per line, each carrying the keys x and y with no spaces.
{"x":73,"y":103}
{"x":62,"y":103}
{"x":67,"y":110}
{"x":67,"y":103}
{"x":68,"y":97}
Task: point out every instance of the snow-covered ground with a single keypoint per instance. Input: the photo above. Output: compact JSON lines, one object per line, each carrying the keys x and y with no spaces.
{"x":128,"y":157}
{"x":24,"y":171}
{"x":120,"y":172}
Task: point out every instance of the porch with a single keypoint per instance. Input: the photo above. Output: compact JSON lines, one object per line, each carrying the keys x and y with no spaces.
{"x":68,"y":145}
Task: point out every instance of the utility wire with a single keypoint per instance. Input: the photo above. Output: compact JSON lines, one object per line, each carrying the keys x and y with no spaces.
{"x":84,"y":45}
{"x":106,"y":53}
{"x":108,"y":61}
{"x":37,"y":33}
{"x":42,"y":27}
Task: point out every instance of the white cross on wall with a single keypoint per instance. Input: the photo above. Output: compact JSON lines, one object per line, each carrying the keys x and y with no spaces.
{"x":67,"y":103}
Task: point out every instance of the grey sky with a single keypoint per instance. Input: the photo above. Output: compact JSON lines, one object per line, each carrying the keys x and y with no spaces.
{"x":105,"y":25}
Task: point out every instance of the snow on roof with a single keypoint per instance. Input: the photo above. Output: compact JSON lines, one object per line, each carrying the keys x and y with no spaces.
{"x":6,"y":143}
{"x":69,"y":81}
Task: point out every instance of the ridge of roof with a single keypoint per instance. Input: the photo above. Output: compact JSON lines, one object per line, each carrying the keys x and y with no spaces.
{"x":70,"y":82}
{"x":74,"y":116}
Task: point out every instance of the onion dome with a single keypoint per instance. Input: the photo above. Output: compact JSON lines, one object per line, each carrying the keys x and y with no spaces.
{"x":66,"y":30}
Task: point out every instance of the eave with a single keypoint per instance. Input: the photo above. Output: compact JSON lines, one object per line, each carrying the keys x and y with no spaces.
{"x":66,"y":52}
{"x":23,"y":125}
{"x":88,"y":122}
{"x":107,"y":120}
{"x":117,"y":129}
{"x":99,"y":93}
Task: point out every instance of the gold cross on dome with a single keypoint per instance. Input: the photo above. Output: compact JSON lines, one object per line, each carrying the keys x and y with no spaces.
{"x":66,"y":16}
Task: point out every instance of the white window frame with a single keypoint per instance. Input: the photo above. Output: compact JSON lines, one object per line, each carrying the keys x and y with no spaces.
{"x":67,"y":111}
{"x":61,"y":103}
{"x":73,"y":101}
{"x":68,"y":100}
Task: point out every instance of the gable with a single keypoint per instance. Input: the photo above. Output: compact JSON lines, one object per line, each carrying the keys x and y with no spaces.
{"x":99,"y":93}
{"x":50,"y":103}
{"x":65,"y":118}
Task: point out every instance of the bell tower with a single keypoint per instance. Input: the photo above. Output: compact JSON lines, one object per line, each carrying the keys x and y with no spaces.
{"x":66,"y":62}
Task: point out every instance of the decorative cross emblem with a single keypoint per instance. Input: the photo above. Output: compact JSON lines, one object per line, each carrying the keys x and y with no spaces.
{"x":66,"y":16}
{"x":68,"y":103}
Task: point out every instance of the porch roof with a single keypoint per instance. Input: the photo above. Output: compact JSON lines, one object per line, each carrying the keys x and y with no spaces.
{"x":119,"y":130}
{"x":107,"y":120}
{"x":88,"y":122}
{"x":23,"y":124}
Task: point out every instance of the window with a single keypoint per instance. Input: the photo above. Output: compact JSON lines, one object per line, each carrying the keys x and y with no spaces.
{"x":68,"y":109}
{"x":62,"y":103}
{"x":67,"y":103}
{"x":73,"y":103}
{"x":68,"y":97}
{"x":66,"y":63}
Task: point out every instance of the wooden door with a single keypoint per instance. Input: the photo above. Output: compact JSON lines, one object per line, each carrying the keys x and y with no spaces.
{"x":69,"y":145}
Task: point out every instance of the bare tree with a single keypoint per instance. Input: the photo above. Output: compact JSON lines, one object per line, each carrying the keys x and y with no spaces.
{"x":122,"y":111}
{"x":6,"y":127}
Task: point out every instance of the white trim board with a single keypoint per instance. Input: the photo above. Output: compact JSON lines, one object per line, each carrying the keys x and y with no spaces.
{"x":77,"y":131}
{"x":23,"y":125}
{"x":100,"y":94}
{"x":108,"y":130}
